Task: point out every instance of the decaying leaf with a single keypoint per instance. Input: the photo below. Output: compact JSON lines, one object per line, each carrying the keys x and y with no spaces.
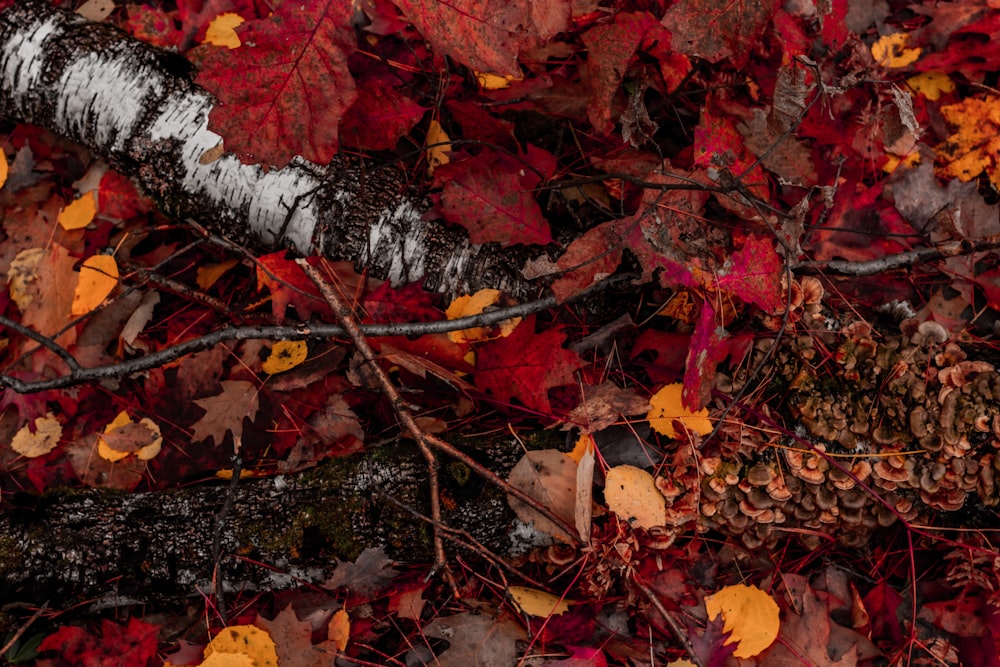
{"x":750,"y":614}
{"x":40,"y":440}
{"x":226,"y":411}
{"x":548,"y":476}
{"x":123,"y":437}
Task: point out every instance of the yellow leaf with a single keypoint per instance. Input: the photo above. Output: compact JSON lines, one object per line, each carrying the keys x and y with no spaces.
{"x":4,"y":168}
{"x":78,"y":214}
{"x":931,"y":84}
{"x":631,"y":493}
{"x":489,"y":81}
{"x":208,"y":275}
{"x":46,"y":436}
{"x":438,"y":147}
{"x":339,"y":629}
{"x":244,"y":640}
{"x":537,"y":603}
{"x":98,"y":278}
{"x":222,"y":30}
{"x":140,"y":438}
{"x":749,"y":613}
{"x":285,"y":354}
{"x":975,"y":146}
{"x":890,"y":51}
{"x":465,"y":306}
{"x":668,"y":407}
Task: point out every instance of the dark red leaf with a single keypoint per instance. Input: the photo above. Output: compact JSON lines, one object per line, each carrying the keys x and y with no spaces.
{"x":380,"y":116}
{"x":285,"y":90}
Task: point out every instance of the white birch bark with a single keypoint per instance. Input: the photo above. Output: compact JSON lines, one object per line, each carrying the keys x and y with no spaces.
{"x":137,"y":107}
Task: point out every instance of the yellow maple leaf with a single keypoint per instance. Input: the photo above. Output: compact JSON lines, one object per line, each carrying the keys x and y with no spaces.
{"x":222,"y":30}
{"x":78,"y":214}
{"x":285,"y":354}
{"x":890,"y":51}
{"x":750,"y":614}
{"x":975,"y":146}
{"x":98,"y":278}
{"x":668,"y":407}
{"x":243,"y":640}
{"x":931,"y":85}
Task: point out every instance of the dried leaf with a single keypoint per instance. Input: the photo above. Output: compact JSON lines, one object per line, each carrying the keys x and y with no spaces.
{"x":38,"y":441}
{"x":226,"y":411}
{"x":549,"y":477}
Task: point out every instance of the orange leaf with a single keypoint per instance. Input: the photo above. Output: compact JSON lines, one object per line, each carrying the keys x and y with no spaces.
{"x":98,"y":278}
{"x":78,"y":214}
{"x":750,"y":614}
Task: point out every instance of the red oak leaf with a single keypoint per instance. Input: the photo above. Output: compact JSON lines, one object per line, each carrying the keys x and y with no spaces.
{"x":486,"y":35}
{"x":717,"y":29}
{"x":525,"y":365}
{"x":380,"y":116}
{"x":611,"y":47}
{"x":492,"y":196}
{"x":285,"y":89}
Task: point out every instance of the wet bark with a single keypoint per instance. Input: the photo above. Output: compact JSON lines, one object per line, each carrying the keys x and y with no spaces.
{"x":120,"y":548}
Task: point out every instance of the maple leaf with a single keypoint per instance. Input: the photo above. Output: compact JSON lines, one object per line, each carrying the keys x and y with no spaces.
{"x":486,"y":35}
{"x":525,"y":365}
{"x":587,"y":260}
{"x":380,"y":116}
{"x":370,"y":572}
{"x":225,"y":412}
{"x":610,"y":47}
{"x":973,"y":149}
{"x":492,"y":196}
{"x":717,"y":29}
{"x":293,"y":641}
{"x":132,"y":644}
{"x":284,"y":91}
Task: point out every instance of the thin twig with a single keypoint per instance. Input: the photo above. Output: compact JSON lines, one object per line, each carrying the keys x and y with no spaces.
{"x":350,"y":325}
{"x":680,"y":633}
{"x":24,"y":627}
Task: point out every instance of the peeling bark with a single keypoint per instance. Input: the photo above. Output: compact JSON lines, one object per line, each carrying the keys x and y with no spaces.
{"x":138,"y":108}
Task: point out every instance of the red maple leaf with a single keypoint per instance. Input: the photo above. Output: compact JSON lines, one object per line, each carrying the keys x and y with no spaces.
{"x":285,"y":89}
{"x":486,"y":35}
{"x":611,"y":47}
{"x":492,"y":196}
{"x":525,"y":365}
{"x":380,"y":116}
{"x":133,"y":644}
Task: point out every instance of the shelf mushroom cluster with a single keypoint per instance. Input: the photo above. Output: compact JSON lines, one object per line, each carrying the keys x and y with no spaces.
{"x":892,"y":427}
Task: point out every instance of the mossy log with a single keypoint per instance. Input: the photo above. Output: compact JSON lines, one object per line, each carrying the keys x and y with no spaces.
{"x":122,"y":547}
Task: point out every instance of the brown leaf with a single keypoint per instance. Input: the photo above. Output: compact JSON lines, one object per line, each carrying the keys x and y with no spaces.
{"x":225,"y":412}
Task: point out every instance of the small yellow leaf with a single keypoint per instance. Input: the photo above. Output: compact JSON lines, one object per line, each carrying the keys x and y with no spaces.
{"x":208,"y":275}
{"x":78,"y":214}
{"x":4,"y":168}
{"x":890,"y":51}
{"x":46,"y":436}
{"x":467,"y":305}
{"x":98,"y":278}
{"x":244,"y":640}
{"x":931,"y":84}
{"x":537,"y":603}
{"x":438,"y":147}
{"x":749,"y":613}
{"x":285,"y":354}
{"x":631,"y":493}
{"x":339,"y":629}
{"x":222,"y":30}
{"x":489,"y":81}
{"x":668,"y":407}
{"x":123,"y":438}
